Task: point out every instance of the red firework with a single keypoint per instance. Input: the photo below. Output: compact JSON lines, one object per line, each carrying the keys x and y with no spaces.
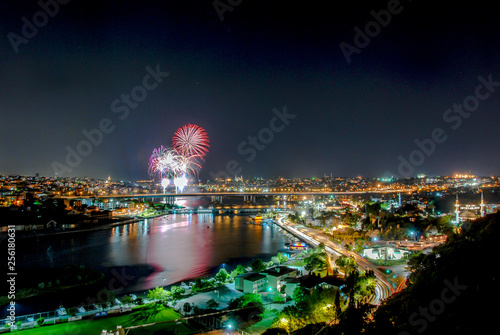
{"x":191,"y":141}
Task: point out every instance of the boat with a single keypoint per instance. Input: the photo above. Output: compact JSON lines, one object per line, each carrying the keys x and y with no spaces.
{"x":298,"y":245}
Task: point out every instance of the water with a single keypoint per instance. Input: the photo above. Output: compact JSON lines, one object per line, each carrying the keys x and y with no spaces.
{"x":156,"y":252}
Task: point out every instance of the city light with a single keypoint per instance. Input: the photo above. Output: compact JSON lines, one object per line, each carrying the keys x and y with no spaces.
{"x":350,"y":180}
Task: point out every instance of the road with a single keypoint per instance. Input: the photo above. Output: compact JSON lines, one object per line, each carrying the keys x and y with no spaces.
{"x":383,"y":289}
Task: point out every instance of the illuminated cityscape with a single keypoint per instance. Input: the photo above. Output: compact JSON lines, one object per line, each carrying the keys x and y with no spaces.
{"x":230,"y":167}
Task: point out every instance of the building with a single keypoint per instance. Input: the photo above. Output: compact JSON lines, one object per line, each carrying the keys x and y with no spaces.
{"x":276,"y":276}
{"x":469,"y":212}
{"x":102,"y":215}
{"x":269,"y":280}
{"x":385,"y":253}
{"x":311,"y":282}
{"x":291,"y":285}
{"x":251,"y":282}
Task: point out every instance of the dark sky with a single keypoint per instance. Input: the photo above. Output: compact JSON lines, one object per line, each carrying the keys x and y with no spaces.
{"x":352,"y":118}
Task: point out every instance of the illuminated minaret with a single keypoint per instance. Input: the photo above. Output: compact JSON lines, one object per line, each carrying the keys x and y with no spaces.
{"x":457,"y":211}
{"x":482,"y":205}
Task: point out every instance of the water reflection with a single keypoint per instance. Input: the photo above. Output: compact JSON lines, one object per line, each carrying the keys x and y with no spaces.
{"x":178,"y":246}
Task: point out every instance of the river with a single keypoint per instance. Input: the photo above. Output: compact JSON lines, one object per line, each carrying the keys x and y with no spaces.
{"x":155,"y":252}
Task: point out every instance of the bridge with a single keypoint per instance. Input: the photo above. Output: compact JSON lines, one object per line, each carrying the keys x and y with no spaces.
{"x":113,"y":200}
{"x":224,"y":194}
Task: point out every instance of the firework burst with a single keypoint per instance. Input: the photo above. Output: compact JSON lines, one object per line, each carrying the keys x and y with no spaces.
{"x":190,"y":146}
{"x":191,"y":141}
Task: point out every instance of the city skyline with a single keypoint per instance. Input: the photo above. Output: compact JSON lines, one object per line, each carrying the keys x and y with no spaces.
{"x":282,"y":90}
{"x":251,"y":167}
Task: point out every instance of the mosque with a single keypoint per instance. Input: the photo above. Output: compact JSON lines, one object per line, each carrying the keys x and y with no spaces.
{"x":471,"y":211}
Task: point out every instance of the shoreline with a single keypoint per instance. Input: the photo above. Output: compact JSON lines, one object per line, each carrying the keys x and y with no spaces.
{"x":230,"y":263}
{"x":120,"y":222}
{"x":74,"y":231}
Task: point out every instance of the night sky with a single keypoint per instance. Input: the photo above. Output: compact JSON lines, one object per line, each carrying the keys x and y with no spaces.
{"x":347,"y":118}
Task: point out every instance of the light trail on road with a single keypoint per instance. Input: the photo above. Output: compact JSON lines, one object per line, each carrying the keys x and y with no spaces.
{"x":383,"y":289}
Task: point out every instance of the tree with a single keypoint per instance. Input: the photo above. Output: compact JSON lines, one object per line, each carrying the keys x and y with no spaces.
{"x":275,"y":331}
{"x":282,"y":258}
{"x":252,"y":304}
{"x":290,"y":319}
{"x":278,"y":298}
{"x":295,"y":218}
{"x":353,"y":319}
{"x":316,"y":258}
{"x":445,"y":226}
{"x":157,"y":294}
{"x":299,"y":294}
{"x":106,"y":297}
{"x":315,"y":308}
{"x":177,"y":292}
{"x":240,"y":269}
{"x":347,"y":264}
{"x":258,"y":265}
{"x":199,"y":284}
{"x":467,"y":310}
{"x":315,"y":262}
{"x":126,"y":299}
{"x":186,"y":307}
{"x":337,"y":300}
{"x":222,"y":276}
{"x":212,"y":304}
{"x":245,"y":300}
{"x":359,"y":287}
{"x":283,"y":289}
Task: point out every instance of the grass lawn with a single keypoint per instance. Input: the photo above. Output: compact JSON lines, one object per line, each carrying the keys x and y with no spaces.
{"x":264,"y":324}
{"x":390,"y":262}
{"x":143,"y":315}
{"x":297,"y":263}
{"x":322,"y":273}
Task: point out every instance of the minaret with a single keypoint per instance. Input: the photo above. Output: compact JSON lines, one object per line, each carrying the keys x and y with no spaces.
{"x":399,"y":196}
{"x":482,"y":205}
{"x":457,"y":211}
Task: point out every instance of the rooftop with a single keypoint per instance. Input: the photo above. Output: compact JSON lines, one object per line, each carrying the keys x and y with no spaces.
{"x":278,"y":271}
{"x":255,"y":277}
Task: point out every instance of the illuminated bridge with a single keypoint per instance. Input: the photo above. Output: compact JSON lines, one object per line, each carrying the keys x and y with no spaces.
{"x":115,"y":200}
{"x":224,"y":194}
